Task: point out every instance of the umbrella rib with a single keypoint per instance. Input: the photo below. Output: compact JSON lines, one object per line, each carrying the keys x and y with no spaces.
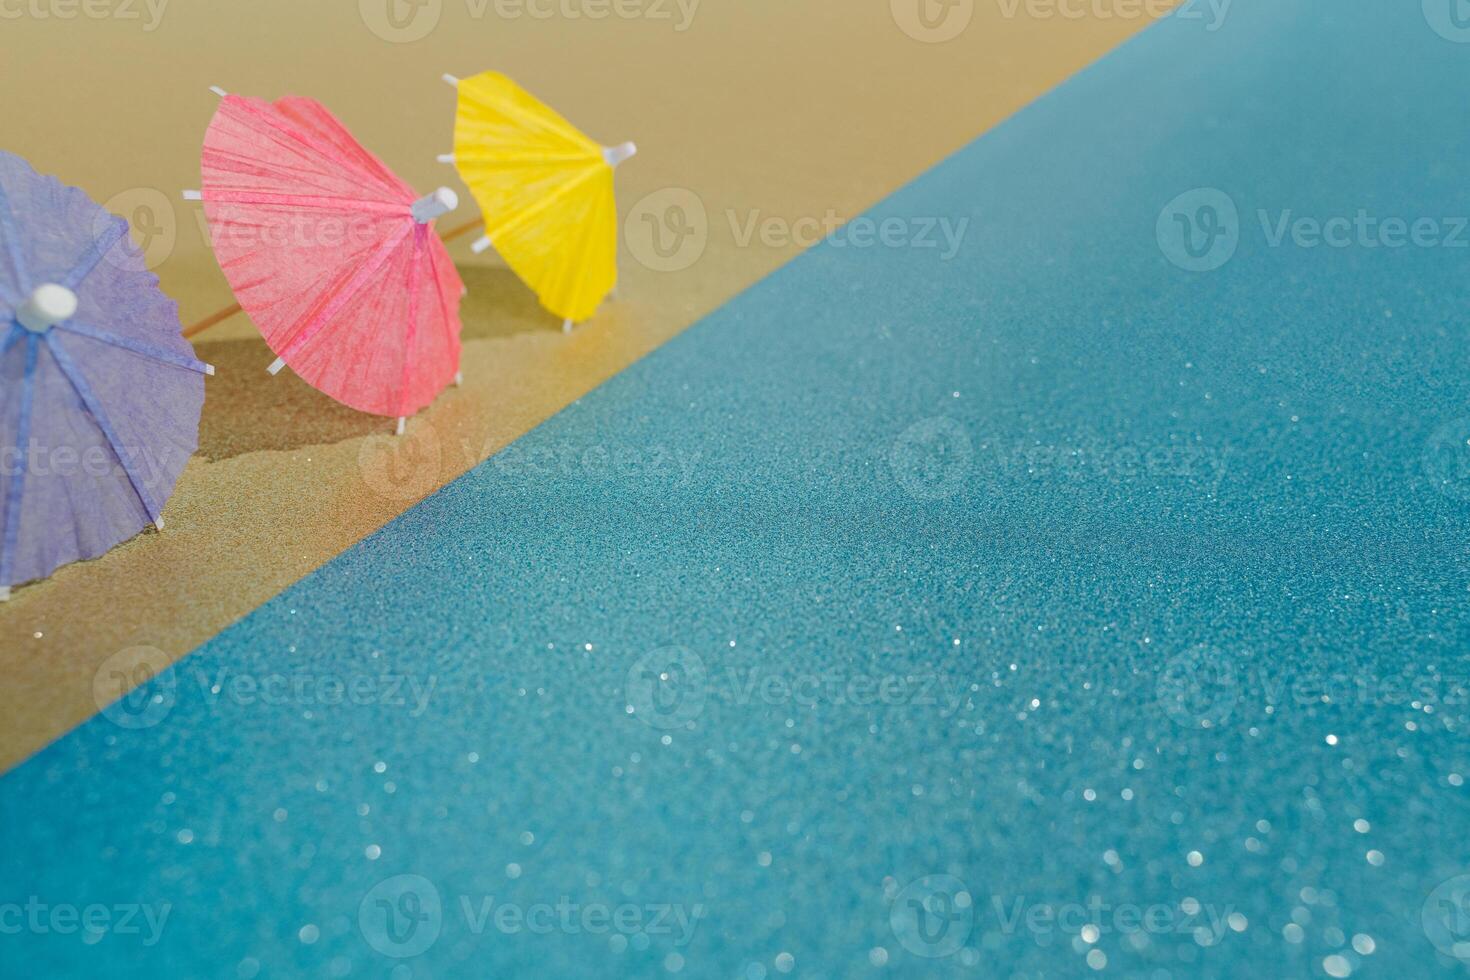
{"x":413,"y":316}
{"x":16,"y":332}
{"x":322,"y":149}
{"x":439,"y":299}
{"x":12,"y":248}
{"x":137,"y":347}
{"x":94,"y":254}
{"x":485,"y":158}
{"x":530,"y":119}
{"x":94,"y":407}
{"x":233,"y":165}
{"x":325,"y":313}
{"x":16,"y":486}
{"x":307,"y":201}
{"x":248,"y":106}
{"x":584,"y":249}
{"x":535,"y":210}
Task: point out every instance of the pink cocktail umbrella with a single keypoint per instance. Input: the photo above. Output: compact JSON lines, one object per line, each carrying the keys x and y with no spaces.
{"x":331,"y":255}
{"x":99,"y":394}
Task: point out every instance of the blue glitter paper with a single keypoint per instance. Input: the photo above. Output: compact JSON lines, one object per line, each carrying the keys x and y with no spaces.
{"x":1093,"y":599}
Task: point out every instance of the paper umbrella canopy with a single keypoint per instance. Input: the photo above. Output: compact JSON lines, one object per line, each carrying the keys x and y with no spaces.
{"x":546,"y":192}
{"x":331,"y":255}
{"x":99,"y":394}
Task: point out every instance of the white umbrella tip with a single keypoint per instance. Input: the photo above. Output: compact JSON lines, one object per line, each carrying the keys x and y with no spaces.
{"x":431,"y":206}
{"x":209,"y":370}
{"x":158,"y":522}
{"x":450,"y":79}
{"x":47,"y":306}
{"x":218,"y":91}
{"x":615,"y":155}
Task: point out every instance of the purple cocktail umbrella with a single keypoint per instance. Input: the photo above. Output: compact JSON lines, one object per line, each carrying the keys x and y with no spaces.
{"x":99,"y":394}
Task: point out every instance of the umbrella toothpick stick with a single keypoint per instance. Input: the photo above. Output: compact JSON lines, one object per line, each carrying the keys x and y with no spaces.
{"x":220,"y":316}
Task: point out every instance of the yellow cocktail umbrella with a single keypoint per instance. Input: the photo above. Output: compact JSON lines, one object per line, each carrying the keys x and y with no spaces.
{"x":545,"y":190}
